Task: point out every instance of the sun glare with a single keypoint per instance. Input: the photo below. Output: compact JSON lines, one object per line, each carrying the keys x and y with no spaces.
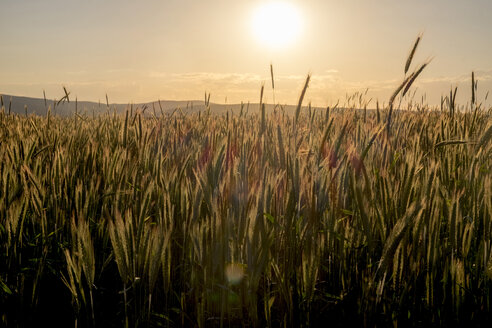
{"x":276,"y":24}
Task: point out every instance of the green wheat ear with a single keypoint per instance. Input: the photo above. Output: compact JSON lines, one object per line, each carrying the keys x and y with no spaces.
{"x":412,"y":53}
{"x":301,"y":98}
{"x":484,"y":140}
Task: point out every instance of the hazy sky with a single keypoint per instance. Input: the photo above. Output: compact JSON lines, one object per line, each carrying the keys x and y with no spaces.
{"x":138,"y":51}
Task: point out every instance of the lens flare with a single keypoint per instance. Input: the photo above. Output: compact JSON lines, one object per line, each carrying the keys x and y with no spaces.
{"x":234,"y":273}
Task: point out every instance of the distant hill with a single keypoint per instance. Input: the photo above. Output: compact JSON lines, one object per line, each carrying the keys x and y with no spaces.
{"x":38,"y":106}
{"x":18,"y":105}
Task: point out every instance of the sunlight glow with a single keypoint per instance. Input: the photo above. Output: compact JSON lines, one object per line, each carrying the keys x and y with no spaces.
{"x":277,"y":24}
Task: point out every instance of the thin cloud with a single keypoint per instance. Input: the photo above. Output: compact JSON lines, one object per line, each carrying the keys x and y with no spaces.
{"x":234,"y":78}
{"x":324,"y":88}
{"x":482,"y":75}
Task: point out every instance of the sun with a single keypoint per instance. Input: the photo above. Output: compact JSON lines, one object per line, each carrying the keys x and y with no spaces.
{"x":276,"y":24}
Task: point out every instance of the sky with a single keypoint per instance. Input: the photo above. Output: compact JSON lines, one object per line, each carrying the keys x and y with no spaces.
{"x":141,"y":51}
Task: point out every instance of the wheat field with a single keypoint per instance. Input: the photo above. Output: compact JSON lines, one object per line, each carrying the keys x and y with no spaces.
{"x":265,"y":219}
{"x":347,"y":216}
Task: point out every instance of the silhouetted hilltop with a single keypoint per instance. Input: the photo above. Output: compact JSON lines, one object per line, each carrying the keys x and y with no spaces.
{"x":38,"y":106}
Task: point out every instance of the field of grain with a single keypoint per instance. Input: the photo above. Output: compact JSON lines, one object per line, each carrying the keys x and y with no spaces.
{"x":264,"y":219}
